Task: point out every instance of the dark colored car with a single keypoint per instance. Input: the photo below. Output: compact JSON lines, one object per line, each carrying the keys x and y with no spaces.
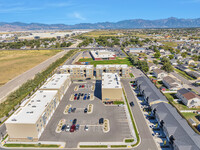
{"x":73,"y":127}
{"x":77,"y":127}
{"x":75,"y":94}
{"x":73,"y":110}
{"x":85,"y":110}
{"x":88,"y":97}
{"x":101,"y":120}
{"x":132,"y":104}
{"x":80,"y":86}
{"x":78,"y":97}
{"x":82,"y":94}
{"x":64,"y":127}
{"x":84,"y":98}
{"x":74,"y":121}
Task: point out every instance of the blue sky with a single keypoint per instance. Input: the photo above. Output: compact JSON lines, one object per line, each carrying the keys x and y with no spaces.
{"x":91,"y":11}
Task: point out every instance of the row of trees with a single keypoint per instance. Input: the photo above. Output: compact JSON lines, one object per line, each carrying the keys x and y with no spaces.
{"x":141,"y":64}
{"x":166,"y":65}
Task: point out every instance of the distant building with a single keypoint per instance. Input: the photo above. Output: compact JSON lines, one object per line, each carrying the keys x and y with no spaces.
{"x":103,"y":55}
{"x":111,"y":87}
{"x":78,"y":71}
{"x":121,"y":70}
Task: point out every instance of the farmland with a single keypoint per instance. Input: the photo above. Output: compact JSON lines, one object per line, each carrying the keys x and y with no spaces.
{"x":15,"y":62}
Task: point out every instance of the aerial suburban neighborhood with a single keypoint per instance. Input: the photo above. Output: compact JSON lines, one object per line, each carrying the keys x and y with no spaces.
{"x":132,"y":84}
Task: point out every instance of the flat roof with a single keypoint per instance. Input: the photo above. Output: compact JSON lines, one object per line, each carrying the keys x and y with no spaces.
{"x":108,"y":66}
{"x":33,"y":109}
{"x":111,"y":80}
{"x":102,"y":53}
{"x":55,"y":82}
{"x":77,"y":66}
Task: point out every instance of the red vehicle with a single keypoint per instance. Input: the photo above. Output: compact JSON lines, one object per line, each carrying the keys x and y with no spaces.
{"x":75,"y":98}
{"x":73,"y":127}
{"x":83,"y":86}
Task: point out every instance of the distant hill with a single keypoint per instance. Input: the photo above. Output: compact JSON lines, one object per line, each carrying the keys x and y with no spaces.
{"x":125,"y":24}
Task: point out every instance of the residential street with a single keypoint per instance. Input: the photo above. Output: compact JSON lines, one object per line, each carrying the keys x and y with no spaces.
{"x":147,"y":141}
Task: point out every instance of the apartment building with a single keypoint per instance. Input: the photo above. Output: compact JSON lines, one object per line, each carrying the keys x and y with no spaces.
{"x":111,"y":87}
{"x":121,"y":70}
{"x":60,"y":82}
{"x":30,"y":120}
{"x":78,"y":71}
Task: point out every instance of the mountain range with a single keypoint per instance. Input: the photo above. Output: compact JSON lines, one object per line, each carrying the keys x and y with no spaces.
{"x":124,"y":24}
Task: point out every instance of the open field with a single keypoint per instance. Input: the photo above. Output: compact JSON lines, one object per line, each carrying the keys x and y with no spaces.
{"x":102,"y":33}
{"x":14,"y":63}
{"x":171,"y":44}
{"x":117,"y":61}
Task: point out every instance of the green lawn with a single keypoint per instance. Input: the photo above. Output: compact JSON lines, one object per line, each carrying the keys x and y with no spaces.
{"x":185,"y":75}
{"x":32,"y":145}
{"x":191,"y":115}
{"x":118,"y":102}
{"x":117,"y":61}
{"x":170,"y":44}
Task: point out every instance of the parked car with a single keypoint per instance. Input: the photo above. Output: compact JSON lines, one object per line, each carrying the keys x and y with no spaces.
{"x":67,"y":128}
{"x":75,"y":94}
{"x":75,"y":97}
{"x":83,"y":86}
{"x":80,"y":86}
{"x":64,"y":127}
{"x":85,"y":110}
{"x":88,"y":97}
{"x":82,"y":94}
{"x":74,"y":121}
{"x":101,"y":120}
{"x":131,"y":104}
{"x":70,"y":110}
{"x":84,"y":98}
{"x":86,"y":128}
{"x":73,"y":110}
{"x":73,"y":127}
{"x":77,"y":127}
{"x":78,"y":97}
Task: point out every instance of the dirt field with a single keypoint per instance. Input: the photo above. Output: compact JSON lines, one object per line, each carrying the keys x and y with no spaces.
{"x":13,"y":63}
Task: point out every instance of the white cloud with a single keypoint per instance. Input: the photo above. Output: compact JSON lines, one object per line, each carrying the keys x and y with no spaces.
{"x":78,"y":16}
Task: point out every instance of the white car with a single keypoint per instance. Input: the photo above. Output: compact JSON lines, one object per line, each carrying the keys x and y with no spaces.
{"x":86,"y":128}
{"x":67,"y":128}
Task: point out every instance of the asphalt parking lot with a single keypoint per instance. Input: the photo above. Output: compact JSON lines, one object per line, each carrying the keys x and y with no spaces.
{"x":119,"y":128}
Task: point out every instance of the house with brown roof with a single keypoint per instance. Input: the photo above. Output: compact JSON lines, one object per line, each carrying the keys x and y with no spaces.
{"x":171,"y":83}
{"x":159,"y":74}
{"x":189,"y":98}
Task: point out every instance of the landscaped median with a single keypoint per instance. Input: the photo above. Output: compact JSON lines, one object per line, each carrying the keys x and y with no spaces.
{"x":118,"y":146}
{"x":32,"y":145}
{"x":59,"y":126}
{"x":93,"y":146}
{"x":106,"y":126}
{"x":134,"y":125}
{"x":90,"y":108}
{"x":66,"y":109}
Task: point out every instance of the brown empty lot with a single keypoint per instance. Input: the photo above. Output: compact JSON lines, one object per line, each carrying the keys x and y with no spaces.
{"x":15,"y":62}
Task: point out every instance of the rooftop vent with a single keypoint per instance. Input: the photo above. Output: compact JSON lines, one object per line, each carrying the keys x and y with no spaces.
{"x":34,"y":106}
{"x":14,"y":119}
{"x":44,"y":95}
{"x":38,"y":100}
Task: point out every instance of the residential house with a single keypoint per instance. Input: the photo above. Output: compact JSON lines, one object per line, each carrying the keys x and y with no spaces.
{"x":159,"y":74}
{"x":194,"y":74}
{"x":189,"y":98}
{"x":182,"y":68}
{"x":152,"y":66}
{"x":171,"y":83}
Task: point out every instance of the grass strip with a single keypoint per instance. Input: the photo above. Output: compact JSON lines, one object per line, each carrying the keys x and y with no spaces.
{"x":93,"y":146}
{"x":131,"y":75}
{"x":32,"y":145}
{"x":118,"y":102}
{"x":129,"y":140}
{"x":115,"y":146}
{"x":185,"y":75}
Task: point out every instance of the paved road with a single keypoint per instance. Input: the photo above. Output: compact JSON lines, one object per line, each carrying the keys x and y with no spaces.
{"x":12,"y":85}
{"x":147,"y":141}
{"x":185,"y":81}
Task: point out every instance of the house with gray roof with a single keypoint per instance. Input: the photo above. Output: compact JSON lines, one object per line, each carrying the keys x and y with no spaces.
{"x":159,"y":74}
{"x":149,"y":91}
{"x":171,"y":83}
{"x":179,"y":134}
